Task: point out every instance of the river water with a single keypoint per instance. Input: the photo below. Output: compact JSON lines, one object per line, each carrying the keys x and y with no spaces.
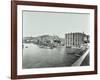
{"x":35,"y":57}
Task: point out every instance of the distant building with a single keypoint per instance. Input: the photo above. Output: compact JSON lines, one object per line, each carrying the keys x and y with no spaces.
{"x":29,"y":39}
{"x":75,"y":39}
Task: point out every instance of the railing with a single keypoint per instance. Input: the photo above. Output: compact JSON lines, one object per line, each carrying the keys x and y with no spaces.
{"x":81,"y":59}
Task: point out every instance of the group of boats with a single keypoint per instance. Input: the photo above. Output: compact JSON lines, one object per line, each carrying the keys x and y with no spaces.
{"x":40,"y":46}
{"x":47,"y":47}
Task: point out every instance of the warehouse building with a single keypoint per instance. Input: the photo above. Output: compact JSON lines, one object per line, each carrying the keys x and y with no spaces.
{"x":76,"y":39}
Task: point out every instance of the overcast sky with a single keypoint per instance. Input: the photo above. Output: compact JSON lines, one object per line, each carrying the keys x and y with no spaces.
{"x":42,"y":23}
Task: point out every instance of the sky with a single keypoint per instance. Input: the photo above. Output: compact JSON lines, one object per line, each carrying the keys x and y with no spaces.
{"x":42,"y":23}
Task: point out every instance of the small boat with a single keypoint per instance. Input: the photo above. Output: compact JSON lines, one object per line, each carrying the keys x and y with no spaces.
{"x":68,"y":46}
{"x":41,"y":46}
{"x":22,"y":46}
{"x":26,"y":47}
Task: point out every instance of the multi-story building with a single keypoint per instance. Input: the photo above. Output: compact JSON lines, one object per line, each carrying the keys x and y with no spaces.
{"x":75,"y":39}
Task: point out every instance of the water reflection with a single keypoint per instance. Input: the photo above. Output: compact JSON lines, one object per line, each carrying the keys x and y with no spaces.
{"x":35,"y":57}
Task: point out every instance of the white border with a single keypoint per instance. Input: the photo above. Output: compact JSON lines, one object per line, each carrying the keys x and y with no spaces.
{"x":21,"y":71}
